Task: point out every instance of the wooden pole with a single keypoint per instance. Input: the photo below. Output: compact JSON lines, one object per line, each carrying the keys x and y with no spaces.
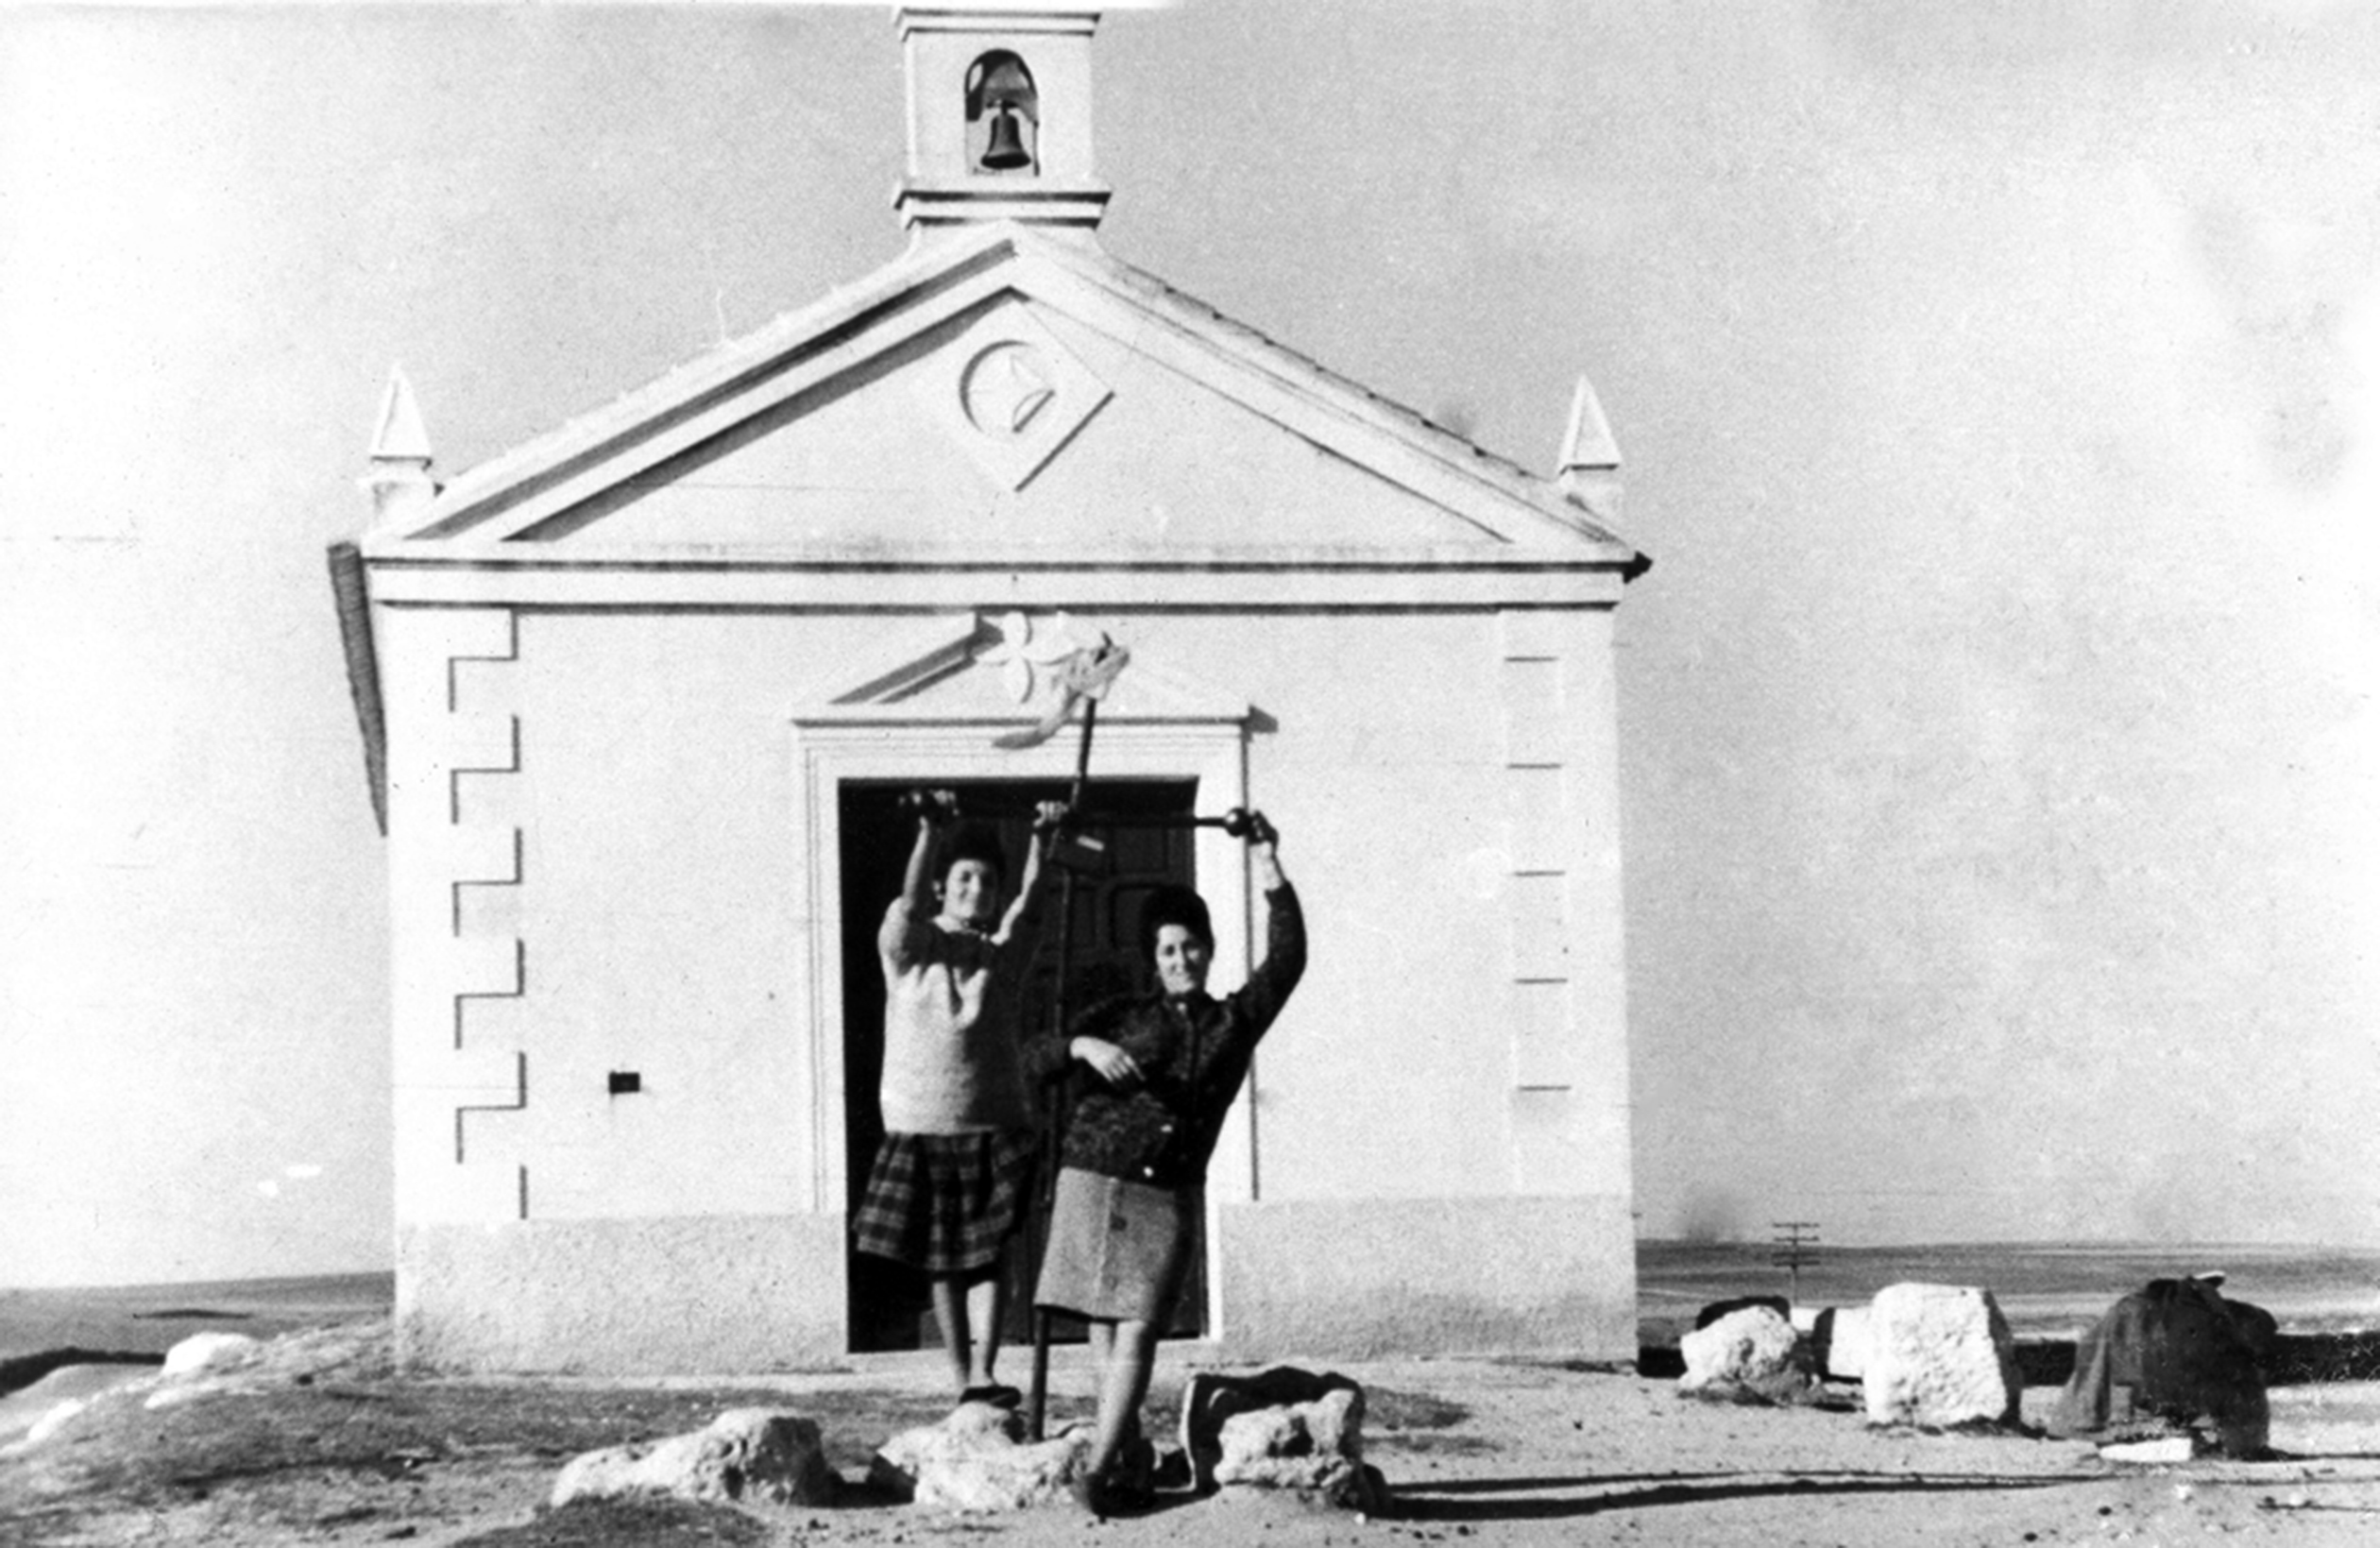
{"x":1053,"y":1137}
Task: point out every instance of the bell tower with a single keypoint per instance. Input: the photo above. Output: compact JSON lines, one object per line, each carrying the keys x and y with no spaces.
{"x":999,"y":115}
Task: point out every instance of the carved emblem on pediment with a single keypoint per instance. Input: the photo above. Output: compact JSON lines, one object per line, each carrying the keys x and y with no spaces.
{"x":1006,"y":388}
{"x":1010,"y":394}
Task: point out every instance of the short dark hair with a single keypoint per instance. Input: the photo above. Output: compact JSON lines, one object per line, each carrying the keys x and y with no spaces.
{"x":970,"y":842}
{"x":1173,"y":903}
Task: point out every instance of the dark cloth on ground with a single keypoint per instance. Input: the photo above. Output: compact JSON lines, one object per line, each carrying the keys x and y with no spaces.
{"x":946,"y":1203}
{"x":1192,"y":1053}
{"x":1719,"y":1309}
{"x":1117,"y":1251}
{"x":2172,"y":1355}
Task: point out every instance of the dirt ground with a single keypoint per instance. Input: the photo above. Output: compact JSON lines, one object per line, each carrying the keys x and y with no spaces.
{"x":321,"y":1444}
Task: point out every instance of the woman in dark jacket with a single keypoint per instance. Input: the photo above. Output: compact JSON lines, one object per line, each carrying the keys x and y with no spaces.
{"x":1158,"y":1072}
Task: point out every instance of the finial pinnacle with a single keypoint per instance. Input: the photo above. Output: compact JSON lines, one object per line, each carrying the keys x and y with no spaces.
{"x":398,"y":477}
{"x":397,"y":434}
{"x":1589,"y":468}
{"x":1588,"y":444}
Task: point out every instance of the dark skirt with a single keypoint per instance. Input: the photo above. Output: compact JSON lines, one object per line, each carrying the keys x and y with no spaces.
{"x":1117,"y":1249}
{"x":946,"y":1203}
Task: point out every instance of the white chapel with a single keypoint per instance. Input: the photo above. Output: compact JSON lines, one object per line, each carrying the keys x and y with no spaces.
{"x":642,"y":695}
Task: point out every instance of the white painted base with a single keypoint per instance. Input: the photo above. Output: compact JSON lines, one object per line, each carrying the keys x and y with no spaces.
{"x":726,"y":1294}
{"x":1428,"y":1276}
{"x":689,"y":1296}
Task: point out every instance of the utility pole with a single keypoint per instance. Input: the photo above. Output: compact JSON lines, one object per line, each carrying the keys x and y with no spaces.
{"x":1796,"y":1243}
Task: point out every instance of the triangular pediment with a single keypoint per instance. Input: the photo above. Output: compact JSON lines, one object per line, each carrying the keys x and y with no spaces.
{"x":1005,"y":672}
{"x":1000,"y":391}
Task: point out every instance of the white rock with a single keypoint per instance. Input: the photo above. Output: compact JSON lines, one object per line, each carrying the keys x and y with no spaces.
{"x":1287,"y":1448}
{"x":970,"y":1428}
{"x":209,"y":1351}
{"x":174,"y":1394}
{"x":974,"y":1462}
{"x":45,"y":1426}
{"x":745,"y":1454}
{"x":1750,"y":1353}
{"x":1312,"y":1450}
{"x":1211,"y":1398}
{"x":1939,"y":1354}
{"x":1016,"y":1478}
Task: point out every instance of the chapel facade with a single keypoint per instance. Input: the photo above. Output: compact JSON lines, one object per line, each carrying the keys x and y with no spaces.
{"x":640,"y":696}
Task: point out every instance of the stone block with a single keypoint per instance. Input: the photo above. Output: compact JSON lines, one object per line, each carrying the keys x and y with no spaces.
{"x":1211,"y":1398}
{"x":976,"y":1462}
{"x":1749,"y":1355}
{"x":1938,"y":1355}
{"x":1281,"y":1430}
{"x":745,"y":1456}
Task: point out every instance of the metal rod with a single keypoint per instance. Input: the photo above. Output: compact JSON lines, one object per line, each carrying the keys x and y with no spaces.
{"x":1101,"y":819}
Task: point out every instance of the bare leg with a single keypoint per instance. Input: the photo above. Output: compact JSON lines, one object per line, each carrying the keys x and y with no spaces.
{"x":1129,"y":1354}
{"x":950,"y":1310}
{"x":987,"y":1300}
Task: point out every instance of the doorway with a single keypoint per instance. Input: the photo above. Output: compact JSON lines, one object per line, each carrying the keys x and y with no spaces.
{"x":890,"y":1308}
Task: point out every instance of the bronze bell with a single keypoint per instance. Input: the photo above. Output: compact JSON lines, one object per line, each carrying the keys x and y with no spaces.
{"x":1005,"y":151}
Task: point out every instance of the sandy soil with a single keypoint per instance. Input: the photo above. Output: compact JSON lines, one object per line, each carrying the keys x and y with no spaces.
{"x":320,"y":1443}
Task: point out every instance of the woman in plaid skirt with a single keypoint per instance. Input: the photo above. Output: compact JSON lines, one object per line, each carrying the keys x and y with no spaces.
{"x":954,"y":1176}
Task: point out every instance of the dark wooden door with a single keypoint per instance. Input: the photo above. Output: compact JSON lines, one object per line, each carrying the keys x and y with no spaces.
{"x":1108,"y":877}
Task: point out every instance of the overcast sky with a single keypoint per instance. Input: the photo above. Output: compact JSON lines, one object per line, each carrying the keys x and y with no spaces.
{"x":1999,"y":386}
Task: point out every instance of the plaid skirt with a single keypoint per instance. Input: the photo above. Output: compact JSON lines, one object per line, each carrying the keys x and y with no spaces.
{"x":946,"y":1203}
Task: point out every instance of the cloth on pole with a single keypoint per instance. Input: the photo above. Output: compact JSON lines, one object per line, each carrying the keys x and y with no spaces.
{"x":1088,"y":674}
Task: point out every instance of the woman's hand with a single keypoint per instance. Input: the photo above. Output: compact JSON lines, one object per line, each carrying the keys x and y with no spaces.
{"x":1108,"y":1061}
{"x":933,"y":809}
{"x":1264,"y":847}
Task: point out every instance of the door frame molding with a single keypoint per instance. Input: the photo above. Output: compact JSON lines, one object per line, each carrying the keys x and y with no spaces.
{"x":849,"y":744}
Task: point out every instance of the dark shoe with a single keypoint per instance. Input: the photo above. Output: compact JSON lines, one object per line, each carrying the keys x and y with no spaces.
{"x":998,"y":1397}
{"x":1133,"y":1473}
{"x":1105,"y":1495}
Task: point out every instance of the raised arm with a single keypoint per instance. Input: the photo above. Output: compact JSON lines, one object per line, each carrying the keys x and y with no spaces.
{"x":1268,"y":988}
{"x":1048,"y":817}
{"x":916,"y":904}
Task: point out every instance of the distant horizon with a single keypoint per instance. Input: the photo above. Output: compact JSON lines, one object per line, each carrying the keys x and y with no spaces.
{"x":2239,"y":1249}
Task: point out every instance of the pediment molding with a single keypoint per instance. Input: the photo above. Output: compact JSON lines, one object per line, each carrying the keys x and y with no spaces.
{"x":988,"y":287}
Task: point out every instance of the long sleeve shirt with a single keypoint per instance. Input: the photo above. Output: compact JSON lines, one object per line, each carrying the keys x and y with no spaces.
{"x":1193,"y":1055}
{"x":951,"y":1061}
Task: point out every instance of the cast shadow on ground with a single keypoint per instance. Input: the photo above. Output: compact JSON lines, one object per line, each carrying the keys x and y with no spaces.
{"x":1426,"y":1506}
{"x":1523,"y":1486}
